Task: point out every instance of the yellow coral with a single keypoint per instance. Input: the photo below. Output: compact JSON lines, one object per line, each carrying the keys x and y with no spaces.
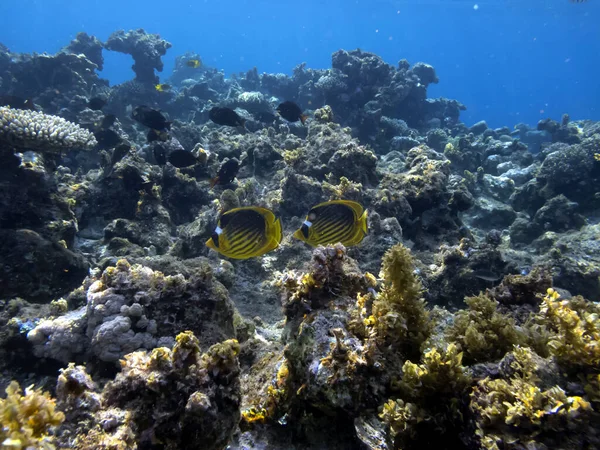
{"x":482,"y":332}
{"x":440,"y":373}
{"x":27,"y":419}
{"x":399,"y":311}
{"x":576,"y":325}
{"x":517,"y":409}
{"x":400,"y":417}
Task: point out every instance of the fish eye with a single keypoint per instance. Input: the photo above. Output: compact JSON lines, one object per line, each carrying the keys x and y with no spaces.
{"x":312,"y":216}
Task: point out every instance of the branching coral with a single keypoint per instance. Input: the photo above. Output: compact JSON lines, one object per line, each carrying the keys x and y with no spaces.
{"x":482,"y":332}
{"x":576,"y":325}
{"x":440,"y":374}
{"x":510,"y":413}
{"x":34,"y":130}
{"x":27,"y":419}
{"x":398,"y":315}
{"x":436,"y":389}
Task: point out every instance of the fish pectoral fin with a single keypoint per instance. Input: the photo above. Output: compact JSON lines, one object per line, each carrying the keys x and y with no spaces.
{"x":363,"y":222}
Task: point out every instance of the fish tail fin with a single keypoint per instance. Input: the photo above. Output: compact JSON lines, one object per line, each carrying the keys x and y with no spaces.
{"x":303,"y":118}
{"x":214,"y":181}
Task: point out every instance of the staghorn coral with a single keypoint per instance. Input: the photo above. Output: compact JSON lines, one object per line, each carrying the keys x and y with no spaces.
{"x":483,"y":333}
{"x":575,"y":322}
{"x":27,"y":419}
{"x":33,"y":130}
{"x":516,"y":412}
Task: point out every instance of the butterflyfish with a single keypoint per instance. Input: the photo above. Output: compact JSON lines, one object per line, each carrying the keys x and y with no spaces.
{"x":335,"y":221}
{"x":246,"y":232}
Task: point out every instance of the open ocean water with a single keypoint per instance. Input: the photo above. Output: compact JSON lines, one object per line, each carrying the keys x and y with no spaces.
{"x":508,"y":61}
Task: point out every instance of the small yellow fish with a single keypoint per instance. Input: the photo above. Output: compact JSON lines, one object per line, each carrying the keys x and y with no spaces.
{"x":162,"y":87}
{"x":335,"y":221}
{"x":246,"y":232}
{"x":193,"y":63}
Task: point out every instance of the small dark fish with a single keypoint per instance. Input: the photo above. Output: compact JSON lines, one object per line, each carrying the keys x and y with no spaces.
{"x":16,"y":102}
{"x":578,"y":1}
{"x":291,"y":112}
{"x":160,"y":154}
{"x":107,"y":138}
{"x":342,"y":221}
{"x":156,"y":135}
{"x":119,"y":152}
{"x":265,"y":117}
{"x":182,"y":158}
{"x":226,"y":116}
{"x":97,"y":103}
{"x":487,"y":275}
{"x":193,"y":63}
{"x":246,"y":232}
{"x":227,"y":172}
{"x":108,"y":121}
{"x":162,"y":87}
{"x":151,"y":118}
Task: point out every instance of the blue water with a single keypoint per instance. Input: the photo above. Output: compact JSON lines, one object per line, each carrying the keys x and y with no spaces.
{"x":508,"y":61}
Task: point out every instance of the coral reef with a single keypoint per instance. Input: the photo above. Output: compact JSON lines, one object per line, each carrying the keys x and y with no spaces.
{"x":105,"y":262}
{"x":129,"y":308}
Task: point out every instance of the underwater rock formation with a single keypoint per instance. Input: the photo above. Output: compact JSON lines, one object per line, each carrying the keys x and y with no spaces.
{"x":145,"y":49}
{"x":131,"y":308}
{"x":105,"y":260}
{"x":182,"y":398}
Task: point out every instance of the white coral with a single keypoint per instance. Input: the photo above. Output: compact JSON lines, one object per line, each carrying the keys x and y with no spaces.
{"x":34,"y":130}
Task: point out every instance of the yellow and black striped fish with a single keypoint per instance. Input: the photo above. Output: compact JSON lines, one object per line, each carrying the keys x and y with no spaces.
{"x":246,"y":232}
{"x":335,"y":221}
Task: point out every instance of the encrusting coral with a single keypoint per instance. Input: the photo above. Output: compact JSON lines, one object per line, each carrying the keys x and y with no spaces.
{"x":178,"y":399}
{"x":33,"y":130}
{"x":28,"y":419}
